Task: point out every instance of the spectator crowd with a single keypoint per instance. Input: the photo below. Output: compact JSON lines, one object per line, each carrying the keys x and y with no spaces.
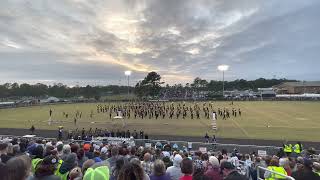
{"x":27,"y":159}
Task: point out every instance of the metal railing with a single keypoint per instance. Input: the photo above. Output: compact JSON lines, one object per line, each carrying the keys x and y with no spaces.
{"x":272,"y":172}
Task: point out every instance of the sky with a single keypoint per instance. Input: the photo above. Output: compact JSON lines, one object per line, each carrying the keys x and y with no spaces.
{"x":79,"y":42}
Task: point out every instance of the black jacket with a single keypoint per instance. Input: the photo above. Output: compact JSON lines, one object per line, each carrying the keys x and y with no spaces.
{"x":235,"y":176}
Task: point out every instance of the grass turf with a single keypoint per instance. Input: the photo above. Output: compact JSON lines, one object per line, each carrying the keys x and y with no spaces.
{"x":292,"y":120}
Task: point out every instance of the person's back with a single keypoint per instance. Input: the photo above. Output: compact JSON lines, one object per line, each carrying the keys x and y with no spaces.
{"x":159,"y":171}
{"x":213,"y":173}
{"x":235,"y":175}
{"x":162,"y":177}
{"x":175,"y":171}
{"x":213,"y":169}
{"x":114,"y":157}
{"x":147,"y":164}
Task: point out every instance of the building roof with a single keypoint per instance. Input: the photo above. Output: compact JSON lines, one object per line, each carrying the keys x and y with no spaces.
{"x":300,"y":84}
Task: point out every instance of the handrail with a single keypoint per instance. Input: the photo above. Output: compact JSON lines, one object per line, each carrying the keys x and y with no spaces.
{"x":273,"y":172}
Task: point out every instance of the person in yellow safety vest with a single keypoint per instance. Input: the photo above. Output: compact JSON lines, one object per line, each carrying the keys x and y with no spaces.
{"x":101,"y":172}
{"x":35,"y":162}
{"x":274,"y":166}
{"x":287,"y":148}
{"x":58,"y":167}
{"x":297,"y":148}
{"x":66,"y":166}
{"x":37,"y":156}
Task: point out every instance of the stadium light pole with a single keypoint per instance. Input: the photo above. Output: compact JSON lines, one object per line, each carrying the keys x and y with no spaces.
{"x":223,"y":68}
{"x":128,"y":74}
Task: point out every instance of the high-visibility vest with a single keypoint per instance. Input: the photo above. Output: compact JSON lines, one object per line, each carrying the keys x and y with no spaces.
{"x":287,"y":148}
{"x":58,"y":167}
{"x":274,"y":176}
{"x":101,"y":172}
{"x":63,"y":176}
{"x":35,"y":163}
{"x":57,"y":172}
{"x":296,"y":148}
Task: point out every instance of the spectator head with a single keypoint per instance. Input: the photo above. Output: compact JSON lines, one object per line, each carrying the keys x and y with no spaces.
{"x":98,"y":173}
{"x":114,"y":151}
{"x":186,"y":166}
{"x":38,"y":152}
{"x":135,"y":161}
{"x":268,"y":160}
{"x":274,"y":162}
{"x":308,"y":164}
{"x":66,"y":149}
{"x":119,"y":163}
{"x":227,"y":167}
{"x":75,"y":173}
{"x":23,"y":146}
{"x":86,"y":147}
{"x":59,"y":148}
{"x":80,"y":154}
{"x":131,"y":171}
{"x":47,"y":167}
{"x":292,"y":163}
{"x":258,"y":159}
{"x":147,"y":157}
{"x":48,"y":150}
{"x":177,"y":160}
{"x":69,"y":163}
{"x":19,"y":167}
{"x":198,"y":153}
{"x":16,"y":149}
{"x":205,"y":157}
{"x":284,"y":162}
{"x":74,"y":148}
{"x":96,"y":154}
{"x":247,"y":156}
{"x":214,"y":161}
{"x":88,"y":163}
{"x":159,"y":168}
{"x":316,"y":166}
{"x":3,"y":148}
{"x":133,"y":151}
{"x":198,"y":168}
{"x":300,"y":163}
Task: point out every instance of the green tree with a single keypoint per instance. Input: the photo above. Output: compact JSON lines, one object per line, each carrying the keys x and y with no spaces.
{"x":150,"y":86}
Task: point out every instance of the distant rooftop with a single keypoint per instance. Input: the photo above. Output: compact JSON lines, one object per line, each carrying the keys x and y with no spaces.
{"x":300,"y":83}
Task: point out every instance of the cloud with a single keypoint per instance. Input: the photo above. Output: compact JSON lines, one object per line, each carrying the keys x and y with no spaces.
{"x":75,"y":40}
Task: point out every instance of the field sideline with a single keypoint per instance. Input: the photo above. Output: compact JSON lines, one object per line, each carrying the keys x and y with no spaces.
{"x":290,"y":120}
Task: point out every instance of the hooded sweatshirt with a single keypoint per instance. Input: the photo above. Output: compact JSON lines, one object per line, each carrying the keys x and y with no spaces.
{"x":175,"y":170}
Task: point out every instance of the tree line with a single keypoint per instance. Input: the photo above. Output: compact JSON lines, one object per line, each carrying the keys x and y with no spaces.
{"x":150,"y":86}
{"x":59,"y":90}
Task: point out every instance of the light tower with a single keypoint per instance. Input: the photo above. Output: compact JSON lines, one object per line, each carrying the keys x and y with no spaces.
{"x":223,"y":68}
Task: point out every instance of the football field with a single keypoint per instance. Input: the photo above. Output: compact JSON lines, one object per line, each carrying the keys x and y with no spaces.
{"x":270,"y":120}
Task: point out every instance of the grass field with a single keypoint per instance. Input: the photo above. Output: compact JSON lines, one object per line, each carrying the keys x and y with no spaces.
{"x":287,"y":120}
